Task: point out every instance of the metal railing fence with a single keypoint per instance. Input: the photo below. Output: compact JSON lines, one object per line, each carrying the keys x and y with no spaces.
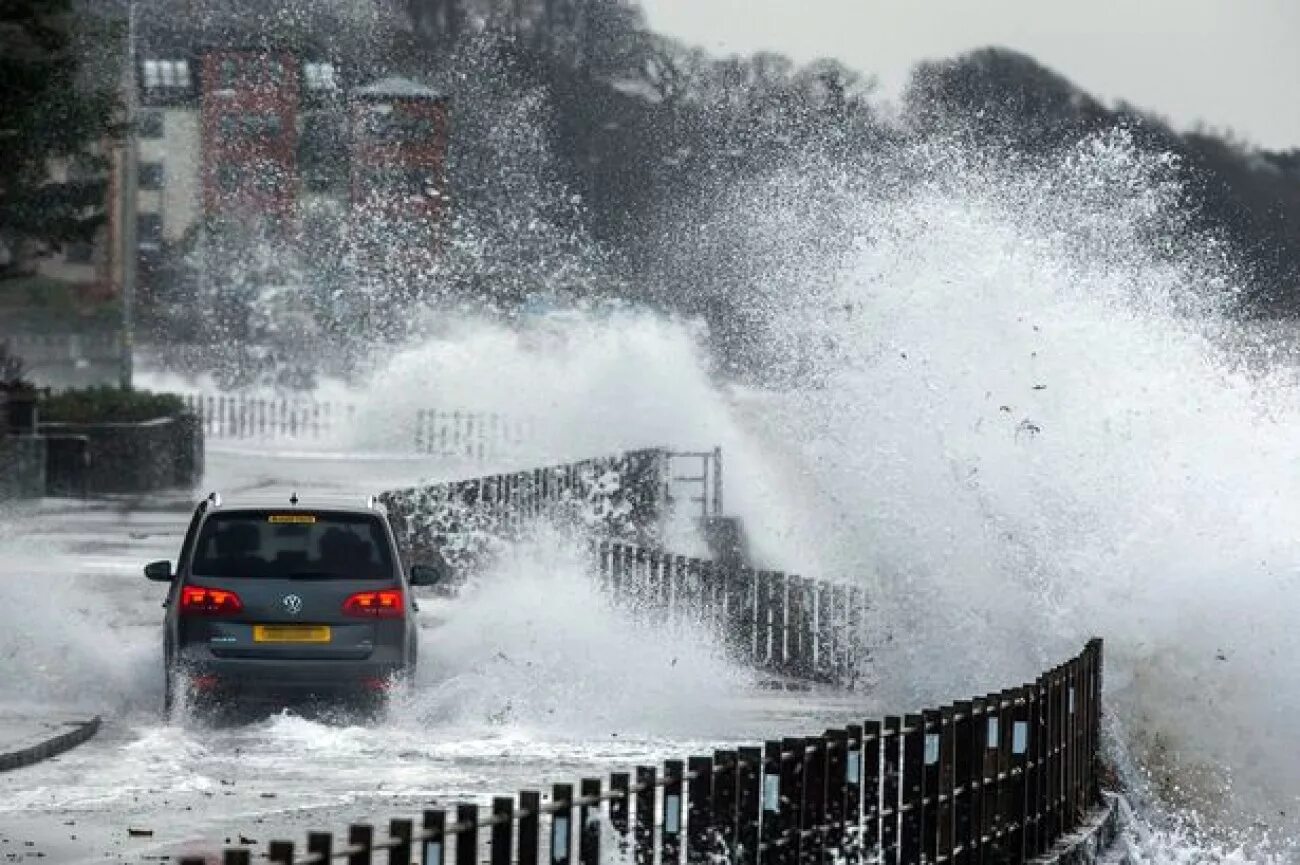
{"x":999,"y":778}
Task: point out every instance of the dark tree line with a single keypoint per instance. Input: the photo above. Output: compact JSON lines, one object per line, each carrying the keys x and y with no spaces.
{"x":643,"y":127}
{"x":584,"y":146}
{"x":998,"y":98}
{"x":53,"y":117}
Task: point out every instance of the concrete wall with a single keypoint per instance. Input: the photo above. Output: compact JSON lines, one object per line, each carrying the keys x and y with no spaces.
{"x":22,"y":467}
{"x":139,"y":457}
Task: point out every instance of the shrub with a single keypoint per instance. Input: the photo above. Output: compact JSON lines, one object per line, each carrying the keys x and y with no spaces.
{"x":109,"y":405}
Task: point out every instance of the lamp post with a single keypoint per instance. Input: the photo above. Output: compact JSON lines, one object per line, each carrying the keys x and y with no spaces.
{"x":128,"y":207}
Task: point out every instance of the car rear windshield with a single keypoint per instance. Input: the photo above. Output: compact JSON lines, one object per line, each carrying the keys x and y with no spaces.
{"x":293,"y":545}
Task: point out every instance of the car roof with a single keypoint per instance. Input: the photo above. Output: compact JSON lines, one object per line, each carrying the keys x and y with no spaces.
{"x":282,"y":502}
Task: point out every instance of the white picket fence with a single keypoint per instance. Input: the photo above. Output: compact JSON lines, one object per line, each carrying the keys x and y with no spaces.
{"x":451,"y":434}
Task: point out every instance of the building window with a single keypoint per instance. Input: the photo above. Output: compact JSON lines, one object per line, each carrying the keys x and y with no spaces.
{"x":228,"y":177}
{"x":266,"y":179}
{"x":151,"y":175}
{"x":229,"y":73}
{"x":393,"y":126}
{"x":398,"y":180}
{"x":319,"y":76}
{"x":150,"y":124}
{"x":149,"y":231}
{"x":263,"y":125}
{"x":80,"y":253}
{"x":252,"y":125}
{"x":166,"y":74}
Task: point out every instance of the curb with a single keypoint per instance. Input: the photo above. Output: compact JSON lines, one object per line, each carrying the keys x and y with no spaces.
{"x":50,"y":747}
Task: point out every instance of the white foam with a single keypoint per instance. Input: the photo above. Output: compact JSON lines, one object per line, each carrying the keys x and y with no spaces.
{"x":1018,"y":422}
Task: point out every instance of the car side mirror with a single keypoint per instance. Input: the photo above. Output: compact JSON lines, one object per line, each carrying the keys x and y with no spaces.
{"x":159,"y":572}
{"x":429,"y":575}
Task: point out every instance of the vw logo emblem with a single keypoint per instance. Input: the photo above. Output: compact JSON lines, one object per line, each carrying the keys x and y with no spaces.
{"x":293,"y":604}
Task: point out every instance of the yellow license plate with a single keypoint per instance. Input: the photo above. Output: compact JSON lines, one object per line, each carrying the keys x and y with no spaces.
{"x":291,"y":634}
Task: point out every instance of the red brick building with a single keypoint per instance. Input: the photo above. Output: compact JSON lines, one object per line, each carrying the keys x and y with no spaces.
{"x":249,"y":133}
{"x":399,"y":148}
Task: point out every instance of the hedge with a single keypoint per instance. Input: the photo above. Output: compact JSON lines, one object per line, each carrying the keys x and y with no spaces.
{"x":109,"y":405}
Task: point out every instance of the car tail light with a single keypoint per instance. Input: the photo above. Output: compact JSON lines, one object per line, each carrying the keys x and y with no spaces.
{"x":204,"y":682}
{"x":376,"y":684}
{"x":383,"y":604}
{"x":200,"y":601}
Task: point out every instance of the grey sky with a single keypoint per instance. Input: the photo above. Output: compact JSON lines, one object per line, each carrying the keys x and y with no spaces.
{"x":1230,"y":63}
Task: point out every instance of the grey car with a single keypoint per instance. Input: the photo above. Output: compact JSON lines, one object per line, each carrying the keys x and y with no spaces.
{"x":279,"y":602}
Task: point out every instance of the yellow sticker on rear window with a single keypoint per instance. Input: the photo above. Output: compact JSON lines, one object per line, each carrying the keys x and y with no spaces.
{"x":291,"y":518}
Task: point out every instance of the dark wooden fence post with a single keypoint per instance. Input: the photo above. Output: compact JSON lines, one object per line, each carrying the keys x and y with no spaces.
{"x":670,"y":825}
{"x":530,"y":824}
{"x":1019,"y":814}
{"x":814,"y":799}
{"x":891,"y":788}
{"x":1034,"y":769}
{"x":699,"y":820}
{"x":1058,"y":753}
{"x":400,"y":832}
{"x":962,"y":780}
{"x":467,"y":836}
{"x":778,"y":588}
{"x":643,"y":838}
{"x":653,"y":588}
{"x":978,"y":742}
{"x":1074,"y":810}
{"x":913,"y":771}
{"x":503,"y":831}
{"x":1006,"y":728}
{"x":947,"y":783}
{"x":824,"y":629}
{"x":561,"y":824}
{"x":837,"y":785}
{"x":1097,"y":651}
{"x":362,"y":836}
{"x":854,"y":852}
{"x":990,"y":734}
{"x":432,"y":848}
{"x":619,"y":805}
{"x":872,"y":733}
{"x":740,"y":611}
{"x":589,"y":819}
{"x":749,"y":770}
{"x":932,"y":745}
{"x":792,"y":778}
{"x":773,"y":830}
{"x":763,"y":653}
{"x":1043,"y":781}
{"x":724,"y":801}
{"x":798,"y":641}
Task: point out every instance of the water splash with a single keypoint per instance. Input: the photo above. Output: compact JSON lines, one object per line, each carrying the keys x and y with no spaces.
{"x":1026,"y":420}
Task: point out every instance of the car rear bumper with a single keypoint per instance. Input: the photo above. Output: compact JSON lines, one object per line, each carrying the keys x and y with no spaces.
{"x":274,"y":680}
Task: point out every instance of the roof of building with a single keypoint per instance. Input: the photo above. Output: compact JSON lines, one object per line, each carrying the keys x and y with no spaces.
{"x":398,"y":88}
